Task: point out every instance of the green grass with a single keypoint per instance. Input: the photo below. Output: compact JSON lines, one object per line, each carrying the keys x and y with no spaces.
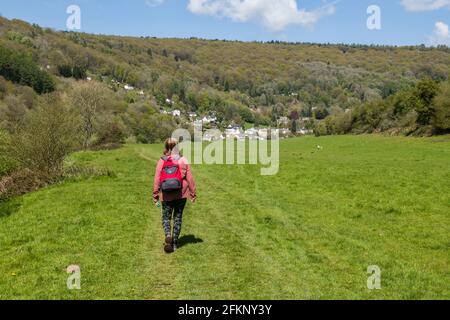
{"x":309,"y":232}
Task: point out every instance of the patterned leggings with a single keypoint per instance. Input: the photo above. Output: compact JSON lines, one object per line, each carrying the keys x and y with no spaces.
{"x":176,"y":209}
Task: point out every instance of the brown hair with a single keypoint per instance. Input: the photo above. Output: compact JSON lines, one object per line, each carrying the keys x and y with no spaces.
{"x":171,"y":147}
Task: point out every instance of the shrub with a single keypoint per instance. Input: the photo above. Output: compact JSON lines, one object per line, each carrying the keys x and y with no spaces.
{"x":48,"y":135}
{"x":20,"y":182}
{"x":110,"y":132}
{"x":154,"y":128}
{"x":7,"y":165}
{"x":320,"y":129}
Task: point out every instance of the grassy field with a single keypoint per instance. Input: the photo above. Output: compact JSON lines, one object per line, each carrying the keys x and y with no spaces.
{"x":308,"y":233}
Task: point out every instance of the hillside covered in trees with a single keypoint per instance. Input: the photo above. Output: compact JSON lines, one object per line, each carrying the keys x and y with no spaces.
{"x":240,"y":82}
{"x":65,"y":91}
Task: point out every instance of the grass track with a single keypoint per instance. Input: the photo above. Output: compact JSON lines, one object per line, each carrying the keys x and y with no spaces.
{"x":308,"y":233}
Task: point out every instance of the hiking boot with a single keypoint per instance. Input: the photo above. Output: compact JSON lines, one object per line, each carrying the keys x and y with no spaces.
{"x":168,"y":246}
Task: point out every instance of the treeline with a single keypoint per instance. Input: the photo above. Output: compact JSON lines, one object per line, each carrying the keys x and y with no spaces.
{"x":239,"y":82}
{"x":314,"y":75}
{"x":421,"y":110}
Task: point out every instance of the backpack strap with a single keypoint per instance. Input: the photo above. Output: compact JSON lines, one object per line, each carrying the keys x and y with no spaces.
{"x":165,"y":158}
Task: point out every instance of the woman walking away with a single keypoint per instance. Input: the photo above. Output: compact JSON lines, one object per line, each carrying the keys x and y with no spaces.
{"x":173,"y":185}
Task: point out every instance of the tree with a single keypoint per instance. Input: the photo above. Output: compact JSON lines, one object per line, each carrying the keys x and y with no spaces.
{"x":89,"y":99}
{"x":294,"y":115}
{"x":65,"y":71}
{"x":79,"y":72}
{"x":404,"y":102}
{"x":12,"y":113}
{"x":320,"y":113}
{"x":246,"y":114}
{"x":278,"y":111}
{"x":441,"y":104}
{"x":151,"y":128}
{"x":425,"y":91}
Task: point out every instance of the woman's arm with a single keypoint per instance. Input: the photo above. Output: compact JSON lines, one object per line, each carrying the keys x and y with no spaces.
{"x":191,"y":182}
{"x":156,"y":182}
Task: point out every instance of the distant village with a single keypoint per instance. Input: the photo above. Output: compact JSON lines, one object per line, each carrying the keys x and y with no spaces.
{"x":231,"y":130}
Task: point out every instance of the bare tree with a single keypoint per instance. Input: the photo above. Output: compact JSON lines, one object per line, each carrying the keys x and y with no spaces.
{"x":89,"y":100}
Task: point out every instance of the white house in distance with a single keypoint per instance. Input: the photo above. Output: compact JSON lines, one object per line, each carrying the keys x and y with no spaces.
{"x":192,"y":115}
{"x":263,"y":134}
{"x":212,"y":136}
{"x":176,"y":113}
{"x":168,"y":101}
{"x":285,"y":132}
{"x":198,"y":125}
{"x":251,"y":134}
{"x":234,"y":132}
{"x":304,"y":131}
{"x":209,"y":119}
{"x":128,"y":87}
{"x":283,"y":121}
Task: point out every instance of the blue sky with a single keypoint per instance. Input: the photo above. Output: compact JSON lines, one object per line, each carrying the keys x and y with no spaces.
{"x":403,"y":22}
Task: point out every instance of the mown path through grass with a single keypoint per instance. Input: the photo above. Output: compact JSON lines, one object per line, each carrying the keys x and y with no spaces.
{"x":309,"y":232}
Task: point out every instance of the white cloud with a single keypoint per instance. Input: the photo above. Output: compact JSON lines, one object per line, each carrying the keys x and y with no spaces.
{"x":442,"y":30}
{"x":441,"y":34}
{"x":274,"y":15}
{"x":425,"y":5}
{"x":154,"y":3}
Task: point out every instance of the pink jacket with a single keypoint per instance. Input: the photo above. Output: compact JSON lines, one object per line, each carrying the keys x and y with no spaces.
{"x":189,"y":189}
